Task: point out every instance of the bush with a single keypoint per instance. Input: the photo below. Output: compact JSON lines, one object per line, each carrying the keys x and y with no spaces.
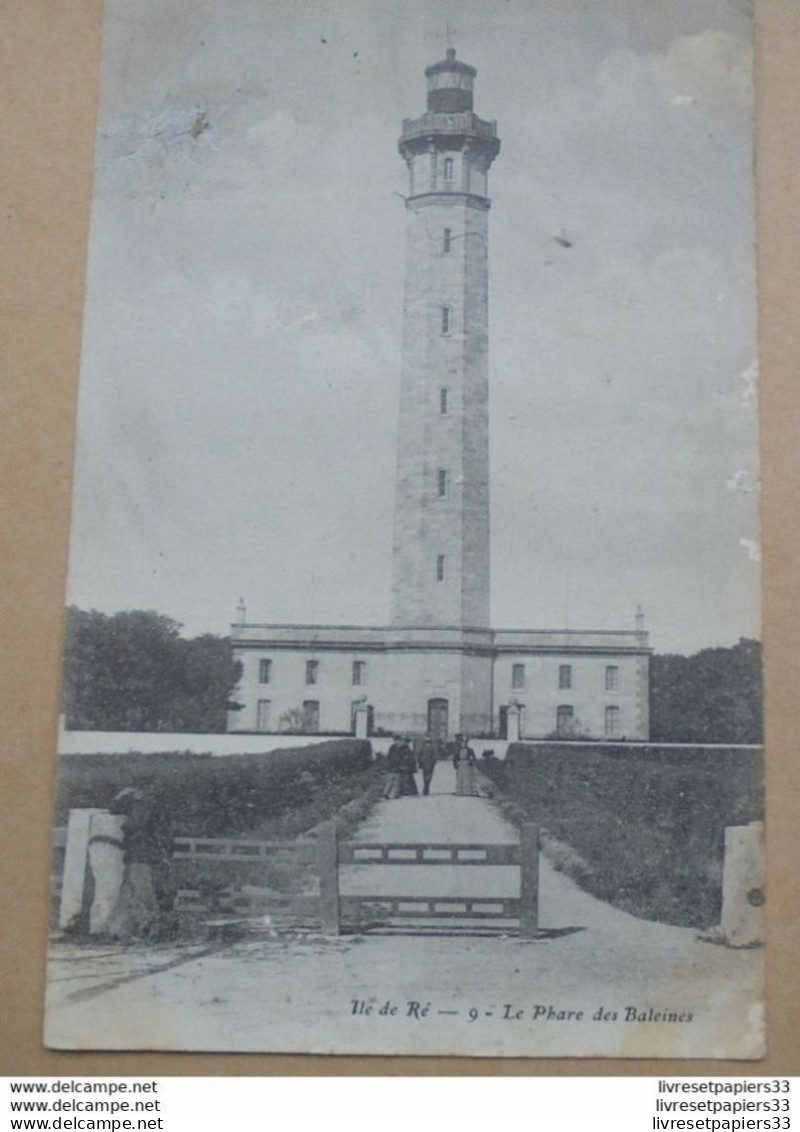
{"x":224,"y":797}
{"x":647,"y":824}
{"x":714,"y":696}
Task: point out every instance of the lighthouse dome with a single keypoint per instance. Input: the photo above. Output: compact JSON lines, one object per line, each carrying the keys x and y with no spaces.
{"x":450,"y":84}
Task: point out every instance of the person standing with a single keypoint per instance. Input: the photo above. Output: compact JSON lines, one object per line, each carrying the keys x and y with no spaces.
{"x":464,"y":761}
{"x":394,"y":770}
{"x":427,"y":764}
{"x":148,"y":892}
{"x":408,"y":784}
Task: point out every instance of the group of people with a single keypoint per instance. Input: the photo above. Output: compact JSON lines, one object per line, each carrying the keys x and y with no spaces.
{"x":402,"y":765}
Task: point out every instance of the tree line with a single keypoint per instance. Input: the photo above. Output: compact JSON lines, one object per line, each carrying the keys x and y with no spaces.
{"x":133,"y":671}
{"x":713,"y":696}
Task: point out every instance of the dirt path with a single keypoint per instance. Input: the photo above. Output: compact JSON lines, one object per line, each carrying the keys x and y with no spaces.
{"x":441,"y":817}
{"x":570,"y":993}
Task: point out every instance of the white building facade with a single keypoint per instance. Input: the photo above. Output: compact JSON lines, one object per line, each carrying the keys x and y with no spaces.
{"x":571,"y":684}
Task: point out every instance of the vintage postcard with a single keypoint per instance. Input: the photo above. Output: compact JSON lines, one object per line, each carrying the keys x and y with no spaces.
{"x":412,"y":681}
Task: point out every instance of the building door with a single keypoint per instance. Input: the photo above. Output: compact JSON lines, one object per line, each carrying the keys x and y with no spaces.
{"x":263,"y":715}
{"x":503,"y":722}
{"x":370,"y":717}
{"x":437,"y":719}
{"x":565,"y":717}
{"x":311,"y":716}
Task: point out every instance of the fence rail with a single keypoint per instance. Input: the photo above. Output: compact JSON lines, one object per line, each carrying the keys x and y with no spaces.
{"x":403,"y":853}
{"x":439,"y":907}
{"x":236,"y":850}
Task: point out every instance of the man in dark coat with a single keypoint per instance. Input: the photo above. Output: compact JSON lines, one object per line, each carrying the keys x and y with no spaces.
{"x":408,"y":784}
{"x":394,"y":770}
{"x":427,"y":764}
{"x":148,"y":891}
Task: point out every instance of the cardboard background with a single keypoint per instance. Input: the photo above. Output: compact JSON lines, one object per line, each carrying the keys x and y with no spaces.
{"x":48,"y":80}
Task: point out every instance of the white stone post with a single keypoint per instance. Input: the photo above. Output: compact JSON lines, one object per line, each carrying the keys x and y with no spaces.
{"x":94,"y":847}
{"x":512,"y":723}
{"x":107,"y":865}
{"x":743,"y":885}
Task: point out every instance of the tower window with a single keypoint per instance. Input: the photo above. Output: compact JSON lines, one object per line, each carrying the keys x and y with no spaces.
{"x":447,"y":240}
{"x":612,"y":722}
{"x":312,"y":671}
{"x":359,"y":671}
{"x":441,"y":483}
{"x":439,"y":567}
{"x":443,"y":401}
{"x":264,"y":671}
{"x":448,"y":168}
{"x":565,"y":676}
{"x":612,"y":677}
{"x":518,"y":676}
{"x":447,"y":319}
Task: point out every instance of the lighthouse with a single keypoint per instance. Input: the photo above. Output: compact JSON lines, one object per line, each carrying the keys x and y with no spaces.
{"x":439,"y":667}
{"x":440,"y":565}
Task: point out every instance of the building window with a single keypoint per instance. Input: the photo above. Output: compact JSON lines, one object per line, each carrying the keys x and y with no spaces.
{"x":312,"y":671}
{"x":439,"y":567}
{"x":565,"y":676}
{"x":448,"y":168}
{"x":447,"y":240}
{"x":443,"y":401}
{"x":447,"y":320}
{"x":612,"y":677}
{"x":441,"y":483}
{"x":612,"y":722}
{"x":264,"y":671}
{"x":518,"y":676}
{"x":565,"y":714}
{"x":359,"y":672}
{"x":311,"y":715}
{"x":263,"y":709}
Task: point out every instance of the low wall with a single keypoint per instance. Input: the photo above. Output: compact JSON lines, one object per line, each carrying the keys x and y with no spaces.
{"x":155,"y":742}
{"x":232,"y":743}
{"x":249,"y":743}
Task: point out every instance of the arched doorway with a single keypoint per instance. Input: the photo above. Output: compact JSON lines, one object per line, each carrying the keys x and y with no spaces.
{"x":438,"y":719}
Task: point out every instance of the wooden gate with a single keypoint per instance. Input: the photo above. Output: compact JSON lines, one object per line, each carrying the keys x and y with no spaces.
{"x":352,"y":911}
{"x":240,"y":869}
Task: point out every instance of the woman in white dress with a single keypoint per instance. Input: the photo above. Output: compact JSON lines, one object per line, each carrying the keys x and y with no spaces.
{"x":464,"y":761}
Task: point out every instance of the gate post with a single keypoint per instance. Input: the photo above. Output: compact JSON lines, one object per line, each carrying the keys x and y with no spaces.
{"x":328,"y":867}
{"x":76,"y":867}
{"x":529,"y":881}
{"x":93,"y":870}
{"x":742,"y":920}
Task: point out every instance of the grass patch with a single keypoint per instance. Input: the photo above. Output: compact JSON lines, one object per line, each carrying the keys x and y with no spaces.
{"x":642,"y":828}
{"x":280,"y":793}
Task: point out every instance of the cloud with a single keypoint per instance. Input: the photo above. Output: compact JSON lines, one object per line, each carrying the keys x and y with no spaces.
{"x":713,"y":72}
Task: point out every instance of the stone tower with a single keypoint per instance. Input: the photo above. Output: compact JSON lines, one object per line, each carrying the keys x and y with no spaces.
{"x":440,"y":564}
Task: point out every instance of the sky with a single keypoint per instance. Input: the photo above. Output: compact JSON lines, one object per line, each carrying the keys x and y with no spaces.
{"x":237,"y":417}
